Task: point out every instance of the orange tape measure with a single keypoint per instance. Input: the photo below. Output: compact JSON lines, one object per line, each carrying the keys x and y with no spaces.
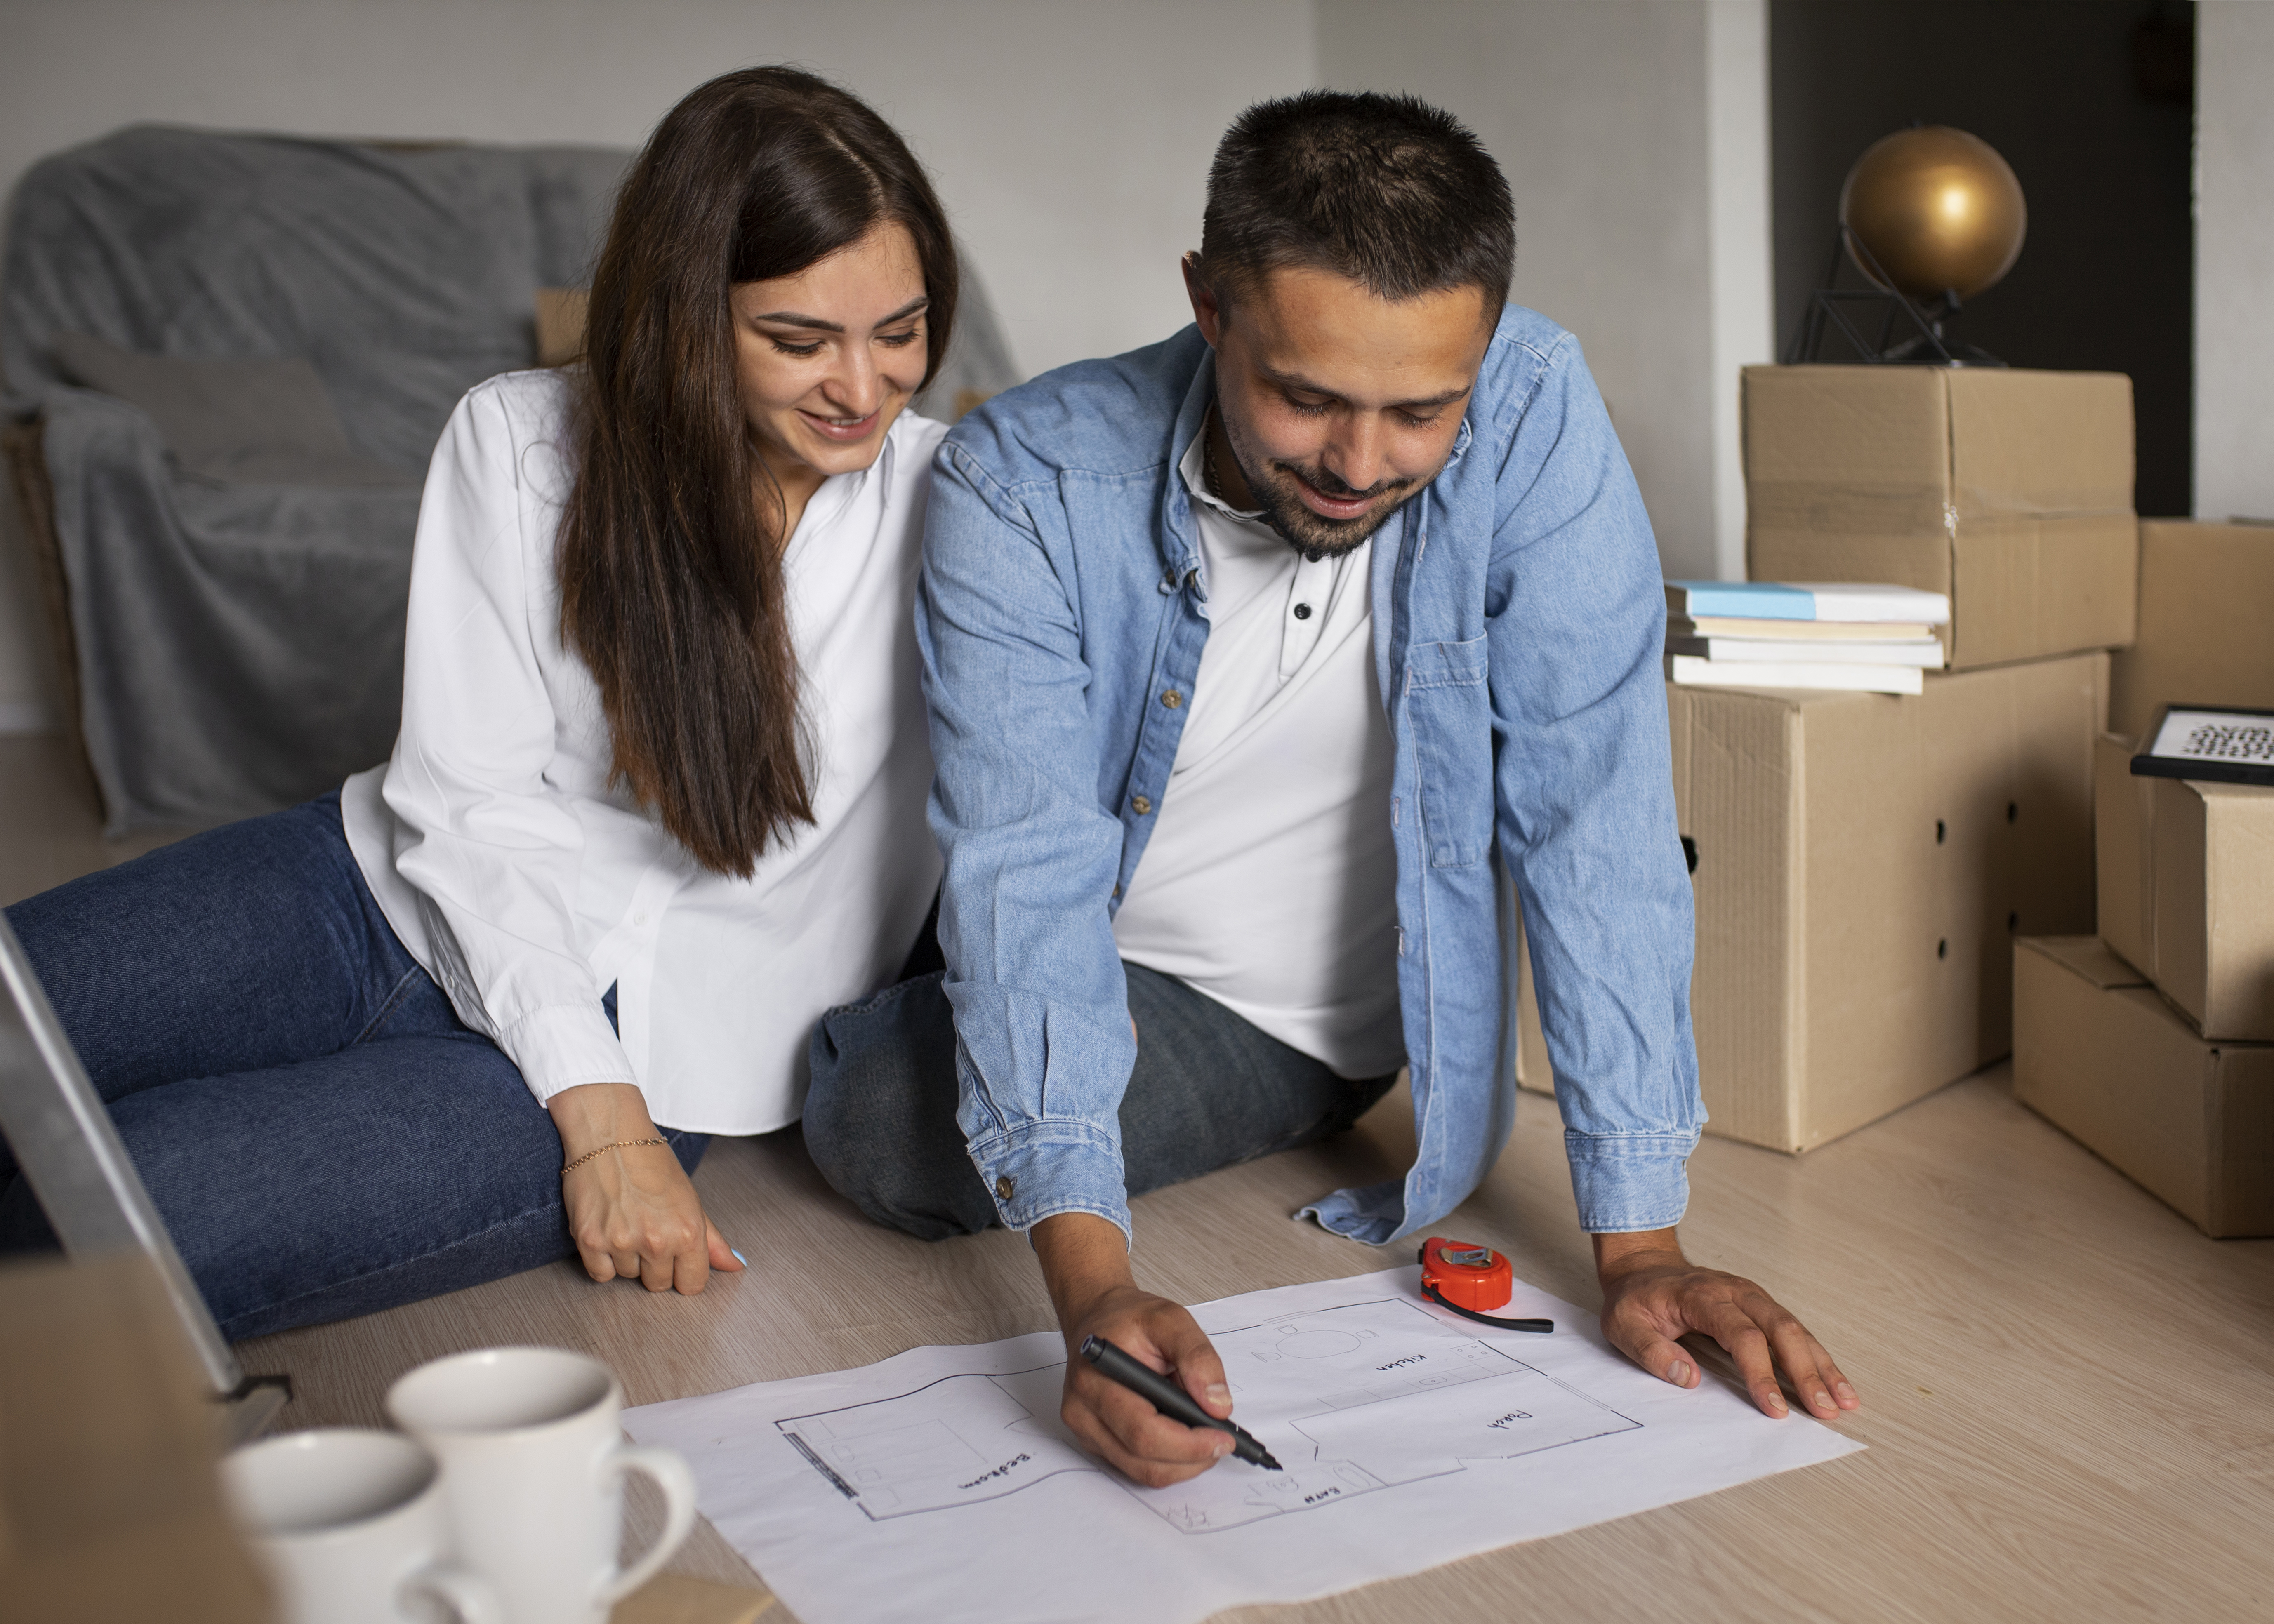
{"x":1468,"y":1279}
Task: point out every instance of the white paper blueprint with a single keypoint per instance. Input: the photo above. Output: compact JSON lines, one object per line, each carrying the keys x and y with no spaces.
{"x":938,"y":1483}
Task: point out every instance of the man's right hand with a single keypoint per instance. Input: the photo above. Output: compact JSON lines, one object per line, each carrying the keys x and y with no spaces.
{"x":1086,"y":1264}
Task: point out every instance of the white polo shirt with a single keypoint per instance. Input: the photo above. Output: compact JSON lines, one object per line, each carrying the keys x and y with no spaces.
{"x":1269,"y":882}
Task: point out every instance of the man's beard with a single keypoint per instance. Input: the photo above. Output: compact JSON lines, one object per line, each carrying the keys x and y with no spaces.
{"x":1312,"y":534}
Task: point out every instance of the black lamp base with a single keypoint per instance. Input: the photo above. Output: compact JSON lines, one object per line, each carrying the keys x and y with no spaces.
{"x":1940,"y":350}
{"x":1908,"y":333}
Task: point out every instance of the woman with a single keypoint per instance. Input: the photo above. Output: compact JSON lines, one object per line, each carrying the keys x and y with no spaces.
{"x":658,"y":799}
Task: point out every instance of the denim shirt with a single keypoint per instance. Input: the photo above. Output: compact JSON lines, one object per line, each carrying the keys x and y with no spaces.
{"x":1518,"y":625}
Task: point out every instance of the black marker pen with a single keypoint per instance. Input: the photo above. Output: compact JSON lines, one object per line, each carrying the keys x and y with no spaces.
{"x":1170,"y":1399}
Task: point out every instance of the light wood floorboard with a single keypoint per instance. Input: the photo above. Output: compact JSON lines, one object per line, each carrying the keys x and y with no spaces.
{"x":51,"y":823}
{"x":2070,"y":1400}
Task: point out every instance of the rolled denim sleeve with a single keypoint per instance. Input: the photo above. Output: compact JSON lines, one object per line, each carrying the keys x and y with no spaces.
{"x":1585,"y":800}
{"x":1041,"y":1007}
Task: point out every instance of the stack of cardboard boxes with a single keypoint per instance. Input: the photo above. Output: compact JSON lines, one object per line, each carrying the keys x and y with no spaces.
{"x":1863,"y":862}
{"x":2153,"y":1041}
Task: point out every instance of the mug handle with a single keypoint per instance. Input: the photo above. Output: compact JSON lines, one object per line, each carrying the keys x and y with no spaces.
{"x":669,"y":1472}
{"x":470,"y":1600}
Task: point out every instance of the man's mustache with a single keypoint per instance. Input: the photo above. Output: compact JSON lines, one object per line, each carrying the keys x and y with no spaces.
{"x":1320,"y":480}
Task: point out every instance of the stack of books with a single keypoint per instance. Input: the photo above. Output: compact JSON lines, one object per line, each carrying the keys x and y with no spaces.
{"x":1783,"y":634}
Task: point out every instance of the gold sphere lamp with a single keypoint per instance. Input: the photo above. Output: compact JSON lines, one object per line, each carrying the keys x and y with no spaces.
{"x":1932,"y":216}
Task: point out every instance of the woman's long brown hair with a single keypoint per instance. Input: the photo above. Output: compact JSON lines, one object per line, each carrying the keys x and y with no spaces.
{"x":671,"y":578}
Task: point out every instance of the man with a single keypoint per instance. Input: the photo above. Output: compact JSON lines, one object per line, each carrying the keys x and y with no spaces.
{"x":1258,"y":661}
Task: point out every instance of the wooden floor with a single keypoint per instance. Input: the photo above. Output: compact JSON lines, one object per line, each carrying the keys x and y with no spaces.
{"x":2069,"y":1396}
{"x":51,"y":823}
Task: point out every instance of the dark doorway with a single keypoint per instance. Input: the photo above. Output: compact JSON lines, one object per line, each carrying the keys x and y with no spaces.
{"x":2092,"y":102}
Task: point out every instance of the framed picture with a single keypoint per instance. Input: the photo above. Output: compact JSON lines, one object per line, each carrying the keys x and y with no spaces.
{"x":2214,"y":746}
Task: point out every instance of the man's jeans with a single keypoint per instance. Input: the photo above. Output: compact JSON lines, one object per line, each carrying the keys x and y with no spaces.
{"x":1209,"y":1090}
{"x":321,"y":1135}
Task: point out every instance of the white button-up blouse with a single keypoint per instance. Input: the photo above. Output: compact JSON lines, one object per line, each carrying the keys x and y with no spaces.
{"x":528,"y":886}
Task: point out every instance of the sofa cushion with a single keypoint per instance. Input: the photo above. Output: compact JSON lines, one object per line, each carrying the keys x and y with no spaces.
{"x":561,"y":325}
{"x":249,"y":420}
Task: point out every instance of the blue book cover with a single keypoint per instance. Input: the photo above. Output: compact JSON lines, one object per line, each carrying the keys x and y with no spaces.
{"x":1847,"y":602}
{"x":1750,"y":601}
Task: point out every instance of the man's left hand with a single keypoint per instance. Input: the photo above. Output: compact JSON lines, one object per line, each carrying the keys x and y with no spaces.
{"x":1653,"y":1295}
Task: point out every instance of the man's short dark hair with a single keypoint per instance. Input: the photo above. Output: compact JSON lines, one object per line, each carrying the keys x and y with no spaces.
{"x":1386,"y":190}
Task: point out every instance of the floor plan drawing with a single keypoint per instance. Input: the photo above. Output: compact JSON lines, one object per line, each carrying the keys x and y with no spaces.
{"x":940,"y":1485}
{"x":1351,"y":1399}
{"x":951,"y":1442}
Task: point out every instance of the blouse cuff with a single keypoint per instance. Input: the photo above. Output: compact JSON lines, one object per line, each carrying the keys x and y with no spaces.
{"x":564,"y":1047}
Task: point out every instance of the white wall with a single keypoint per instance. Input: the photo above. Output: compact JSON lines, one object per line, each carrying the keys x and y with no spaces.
{"x":2234,"y":260}
{"x":1070,"y":140}
{"x":1742,"y":285}
{"x":1601,"y":116}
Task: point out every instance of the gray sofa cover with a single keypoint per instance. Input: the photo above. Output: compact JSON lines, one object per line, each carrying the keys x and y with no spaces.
{"x":239,"y":644}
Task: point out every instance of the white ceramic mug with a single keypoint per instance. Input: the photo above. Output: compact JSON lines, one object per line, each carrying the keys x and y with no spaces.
{"x":350,"y":1526}
{"x":532,"y":1475}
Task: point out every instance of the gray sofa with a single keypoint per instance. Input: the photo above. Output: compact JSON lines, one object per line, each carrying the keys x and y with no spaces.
{"x":226,"y":360}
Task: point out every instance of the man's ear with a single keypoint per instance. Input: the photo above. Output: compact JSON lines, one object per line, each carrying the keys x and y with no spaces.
{"x":1206,"y":309}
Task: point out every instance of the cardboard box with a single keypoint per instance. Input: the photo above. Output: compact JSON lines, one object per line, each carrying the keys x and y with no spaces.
{"x":2124,"y":859}
{"x":2009,"y":491}
{"x":2187,"y":891}
{"x":2205,"y":592}
{"x":110,"y":1503}
{"x":1865,"y":862}
{"x":2099,"y":1054}
{"x":560,"y":313}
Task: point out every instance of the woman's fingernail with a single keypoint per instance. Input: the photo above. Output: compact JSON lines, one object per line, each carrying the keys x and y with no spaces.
{"x":1218,"y":1393}
{"x":740,"y":1259}
{"x":1678,"y":1373}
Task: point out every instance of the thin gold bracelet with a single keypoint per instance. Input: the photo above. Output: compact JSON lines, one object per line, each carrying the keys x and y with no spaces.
{"x":619,"y":1145}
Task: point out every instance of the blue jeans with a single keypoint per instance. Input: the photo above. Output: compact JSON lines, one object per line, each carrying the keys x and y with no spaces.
{"x":320,"y":1133}
{"x":1207,"y":1090}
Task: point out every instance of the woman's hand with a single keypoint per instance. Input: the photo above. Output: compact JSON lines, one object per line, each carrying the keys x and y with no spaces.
{"x":631,"y":1210}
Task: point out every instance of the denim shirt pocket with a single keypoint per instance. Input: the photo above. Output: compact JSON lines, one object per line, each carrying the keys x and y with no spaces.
{"x":1448,"y":709}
